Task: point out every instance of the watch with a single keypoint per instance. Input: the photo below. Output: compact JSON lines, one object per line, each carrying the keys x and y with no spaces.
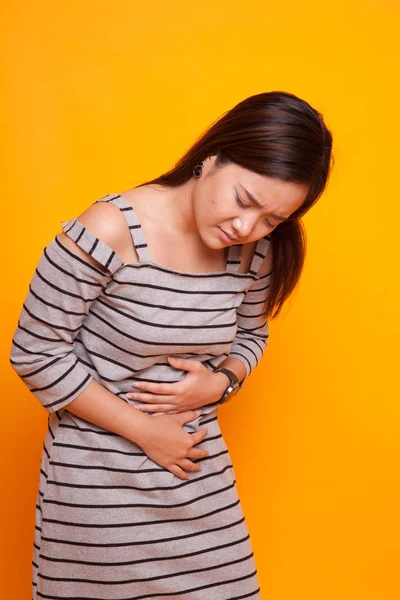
{"x":233,"y":386}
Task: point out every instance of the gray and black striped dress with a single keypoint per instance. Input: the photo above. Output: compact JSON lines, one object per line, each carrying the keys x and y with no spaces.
{"x":112,"y":524}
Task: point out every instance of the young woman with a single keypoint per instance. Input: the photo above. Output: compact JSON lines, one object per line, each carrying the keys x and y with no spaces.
{"x":145,"y":314}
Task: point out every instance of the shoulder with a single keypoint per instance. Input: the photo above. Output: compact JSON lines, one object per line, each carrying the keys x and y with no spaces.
{"x":106,"y":222}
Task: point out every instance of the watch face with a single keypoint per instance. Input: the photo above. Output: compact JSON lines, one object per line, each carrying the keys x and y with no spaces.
{"x":234,"y":391}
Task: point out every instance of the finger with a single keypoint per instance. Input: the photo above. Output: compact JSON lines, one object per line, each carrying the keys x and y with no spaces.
{"x":186,"y":364}
{"x":155,"y":407}
{"x":198,"y":436}
{"x":187,"y":464}
{"x":158,"y":388}
{"x":176,"y":470}
{"x":146,"y":397}
{"x":197,"y":453}
{"x":167,"y":412}
{"x":189,"y":415}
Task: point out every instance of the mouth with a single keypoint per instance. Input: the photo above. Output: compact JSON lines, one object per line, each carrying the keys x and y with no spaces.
{"x":226,"y":235}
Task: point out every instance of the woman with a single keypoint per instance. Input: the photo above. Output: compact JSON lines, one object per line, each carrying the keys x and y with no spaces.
{"x":158,"y":299}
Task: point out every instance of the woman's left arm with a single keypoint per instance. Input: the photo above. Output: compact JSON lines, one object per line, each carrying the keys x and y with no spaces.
{"x":202,"y":386}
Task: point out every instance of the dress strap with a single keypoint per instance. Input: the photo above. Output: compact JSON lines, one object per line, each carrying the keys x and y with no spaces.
{"x":259,"y":254}
{"x":134,"y":225}
{"x":234,"y":258}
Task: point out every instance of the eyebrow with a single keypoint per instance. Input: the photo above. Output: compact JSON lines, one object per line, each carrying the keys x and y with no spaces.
{"x":253,"y":199}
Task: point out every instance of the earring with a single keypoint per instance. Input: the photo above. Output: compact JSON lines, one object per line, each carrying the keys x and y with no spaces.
{"x":198,"y":170}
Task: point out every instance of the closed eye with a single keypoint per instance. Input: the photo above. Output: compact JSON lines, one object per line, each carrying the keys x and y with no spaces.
{"x":238,"y":200}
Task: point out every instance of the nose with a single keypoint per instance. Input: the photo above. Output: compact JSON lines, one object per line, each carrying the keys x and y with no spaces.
{"x":242,"y":227}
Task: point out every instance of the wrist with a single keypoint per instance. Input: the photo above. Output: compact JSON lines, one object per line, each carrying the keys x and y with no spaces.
{"x":140,"y":425}
{"x":222,"y":380}
{"x":232,"y":384}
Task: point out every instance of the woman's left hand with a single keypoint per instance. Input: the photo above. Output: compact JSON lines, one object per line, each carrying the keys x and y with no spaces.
{"x":199,"y":387}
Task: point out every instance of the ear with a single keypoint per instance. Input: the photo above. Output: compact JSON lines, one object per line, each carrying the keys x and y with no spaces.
{"x":210,"y":160}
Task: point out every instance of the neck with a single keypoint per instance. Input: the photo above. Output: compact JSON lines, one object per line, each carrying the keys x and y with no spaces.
{"x":178,"y":213}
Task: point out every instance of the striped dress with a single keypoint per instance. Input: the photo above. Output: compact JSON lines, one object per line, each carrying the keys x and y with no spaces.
{"x":111,"y":524}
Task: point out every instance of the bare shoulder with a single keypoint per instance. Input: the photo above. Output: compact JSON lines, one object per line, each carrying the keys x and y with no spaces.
{"x":106,"y":222}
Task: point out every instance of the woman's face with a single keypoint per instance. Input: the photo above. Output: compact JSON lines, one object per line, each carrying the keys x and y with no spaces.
{"x":221,"y":203}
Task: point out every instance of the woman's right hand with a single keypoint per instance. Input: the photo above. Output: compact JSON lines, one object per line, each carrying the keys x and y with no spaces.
{"x":166,"y":442}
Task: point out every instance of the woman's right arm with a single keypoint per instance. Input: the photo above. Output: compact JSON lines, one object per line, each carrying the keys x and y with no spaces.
{"x":98,"y":405}
{"x":72,"y":271}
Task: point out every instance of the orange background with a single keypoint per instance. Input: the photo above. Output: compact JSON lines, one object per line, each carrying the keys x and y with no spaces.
{"x":102,"y":95}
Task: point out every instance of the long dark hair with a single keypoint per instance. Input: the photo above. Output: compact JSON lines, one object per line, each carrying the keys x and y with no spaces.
{"x":279,"y":135}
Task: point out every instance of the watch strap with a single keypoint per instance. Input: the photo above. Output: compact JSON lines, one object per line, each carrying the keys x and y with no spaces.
{"x":233,"y":378}
{"x":233,"y":386}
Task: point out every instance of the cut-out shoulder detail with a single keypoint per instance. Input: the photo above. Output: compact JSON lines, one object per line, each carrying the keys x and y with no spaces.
{"x":97,"y":232}
{"x":91,"y":244}
{"x":68,"y":246}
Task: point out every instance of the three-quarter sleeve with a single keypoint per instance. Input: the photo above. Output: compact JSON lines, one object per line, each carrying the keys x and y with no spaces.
{"x":61,"y":292}
{"x":251,"y":338}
